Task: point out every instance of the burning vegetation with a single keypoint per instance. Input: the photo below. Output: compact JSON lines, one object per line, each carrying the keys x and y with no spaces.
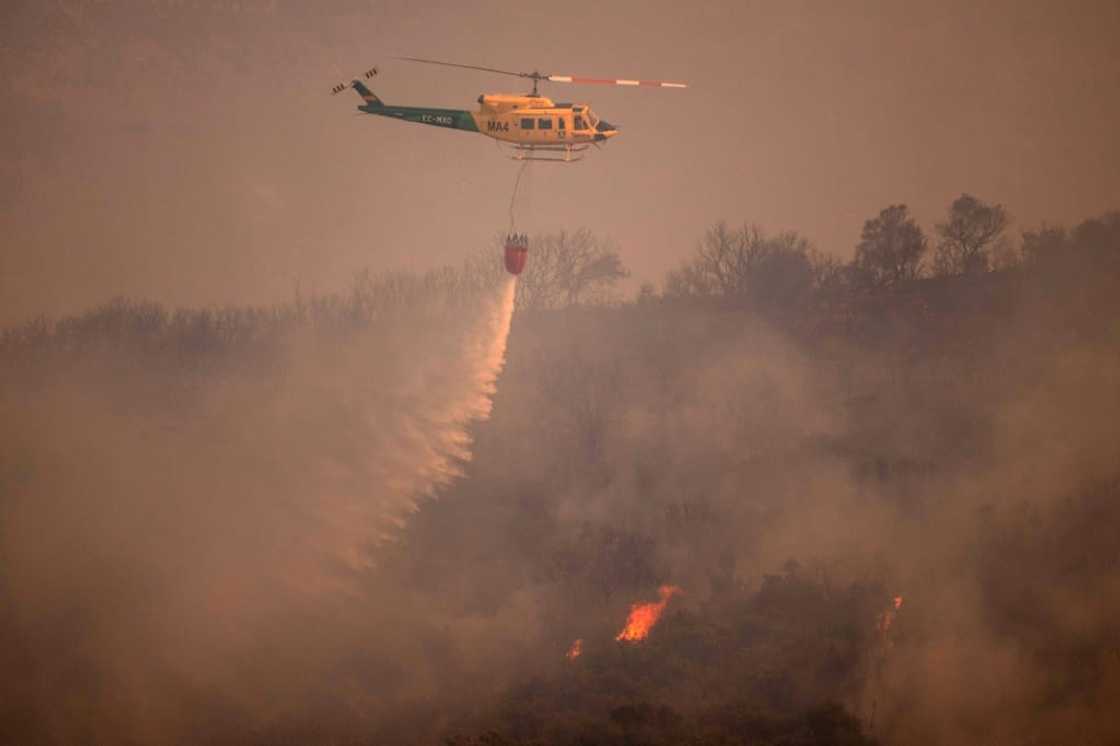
{"x":887,"y":617}
{"x":575,"y":650}
{"x":788,"y":439}
{"x":643,"y":617}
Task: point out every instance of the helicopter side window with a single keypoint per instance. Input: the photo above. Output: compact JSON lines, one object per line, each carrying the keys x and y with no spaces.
{"x":544,"y":124}
{"x":527,"y":123}
{"x":579,"y":123}
{"x":560,"y":123}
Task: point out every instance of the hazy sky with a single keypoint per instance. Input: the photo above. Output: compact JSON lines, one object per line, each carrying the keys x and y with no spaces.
{"x":187,"y":151}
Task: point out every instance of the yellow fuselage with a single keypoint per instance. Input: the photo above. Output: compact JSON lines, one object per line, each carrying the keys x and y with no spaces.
{"x":536,"y":120}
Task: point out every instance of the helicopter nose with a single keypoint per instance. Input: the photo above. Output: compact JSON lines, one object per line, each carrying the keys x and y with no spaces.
{"x":605,"y":130}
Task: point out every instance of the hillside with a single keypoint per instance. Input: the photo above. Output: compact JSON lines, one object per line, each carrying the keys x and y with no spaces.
{"x":207,"y":539}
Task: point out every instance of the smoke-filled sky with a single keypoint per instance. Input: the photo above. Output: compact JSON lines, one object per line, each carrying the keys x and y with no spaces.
{"x":187,"y":151}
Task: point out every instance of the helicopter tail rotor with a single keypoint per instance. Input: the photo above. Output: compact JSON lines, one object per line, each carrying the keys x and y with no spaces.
{"x":367,"y":95}
{"x":367,"y":75}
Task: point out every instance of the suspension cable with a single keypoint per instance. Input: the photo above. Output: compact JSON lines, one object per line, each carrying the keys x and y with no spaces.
{"x":513,"y":199}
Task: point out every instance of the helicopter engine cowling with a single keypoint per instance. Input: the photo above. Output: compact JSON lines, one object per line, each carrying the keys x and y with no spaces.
{"x":502,"y":103}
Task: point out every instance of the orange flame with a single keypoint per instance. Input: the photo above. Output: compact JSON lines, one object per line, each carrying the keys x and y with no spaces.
{"x":887,"y":616}
{"x":644,"y":616}
{"x":576,"y":650}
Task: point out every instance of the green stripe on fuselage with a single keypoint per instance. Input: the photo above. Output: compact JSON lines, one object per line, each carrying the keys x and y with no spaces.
{"x":457,"y":119}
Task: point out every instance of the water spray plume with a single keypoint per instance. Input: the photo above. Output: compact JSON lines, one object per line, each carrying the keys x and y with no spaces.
{"x":487,"y":351}
{"x":484,"y":356}
{"x":643,"y":617}
{"x":417,"y":435}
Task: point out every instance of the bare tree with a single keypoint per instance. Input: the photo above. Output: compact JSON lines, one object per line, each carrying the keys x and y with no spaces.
{"x":1093,"y":244}
{"x":746,"y":265}
{"x":1100,"y":237}
{"x":890,"y":248}
{"x":569,"y":268}
{"x":967,"y":238}
{"x":1044,"y":244}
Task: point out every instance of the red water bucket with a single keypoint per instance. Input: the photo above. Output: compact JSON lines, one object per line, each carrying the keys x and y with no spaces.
{"x":517,"y":251}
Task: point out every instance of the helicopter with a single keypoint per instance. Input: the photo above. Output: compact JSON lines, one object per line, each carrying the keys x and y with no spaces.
{"x":537,"y":128}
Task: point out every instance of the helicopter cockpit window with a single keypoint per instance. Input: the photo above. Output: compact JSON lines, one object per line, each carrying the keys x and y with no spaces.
{"x":544,"y":124}
{"x":579,"y":123}
{"x":526,"y":123}
{"x":593,"y":119}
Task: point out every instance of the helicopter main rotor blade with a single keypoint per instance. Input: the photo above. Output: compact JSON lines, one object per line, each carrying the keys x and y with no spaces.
{"x":613,"y":81}
{"x":472,"y":67}
{"x":535,"y":76}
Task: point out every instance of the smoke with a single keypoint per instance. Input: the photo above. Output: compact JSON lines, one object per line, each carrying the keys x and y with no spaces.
{"x":483,"y":356}
{"x":967,"y":465}
{"x":222,"y":542}
{"x":414,"y":423}
{"x":190,"y":546}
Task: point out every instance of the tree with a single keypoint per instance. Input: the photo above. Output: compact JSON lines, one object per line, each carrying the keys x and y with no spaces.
{"x":1099,"y":239}
{"x":1045,"y":244}
{"x":746,"y":265}
{"x":890,"y":248}
{"x":1093,"y":246}
{"x":563,"y":269}
{"x":967,"y":237}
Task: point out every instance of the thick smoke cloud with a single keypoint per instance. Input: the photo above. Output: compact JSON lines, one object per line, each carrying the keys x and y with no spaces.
{"x":180,"y":537}
{"x":239,"y":541}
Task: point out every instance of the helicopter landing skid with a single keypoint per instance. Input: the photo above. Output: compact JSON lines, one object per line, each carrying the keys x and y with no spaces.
{"x":568,"y":153}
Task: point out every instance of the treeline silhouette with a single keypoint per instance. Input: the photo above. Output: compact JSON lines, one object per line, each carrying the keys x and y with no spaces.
{"x":792,"y":440}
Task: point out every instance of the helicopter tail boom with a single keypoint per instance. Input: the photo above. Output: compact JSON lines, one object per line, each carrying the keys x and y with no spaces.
{"x":457,"y":119}
{"x":367,"y":95}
